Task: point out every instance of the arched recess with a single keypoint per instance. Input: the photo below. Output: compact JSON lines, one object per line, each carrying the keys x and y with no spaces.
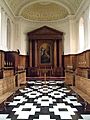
{"x":8,"y":34}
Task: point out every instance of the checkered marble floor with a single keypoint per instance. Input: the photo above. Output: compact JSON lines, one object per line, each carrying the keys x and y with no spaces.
{"x":53,"y":101}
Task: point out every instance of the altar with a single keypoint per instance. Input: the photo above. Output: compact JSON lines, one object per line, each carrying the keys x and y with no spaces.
{"x":41,"y":72}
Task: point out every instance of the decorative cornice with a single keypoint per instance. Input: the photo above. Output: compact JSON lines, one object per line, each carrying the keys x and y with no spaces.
{"x":19,"y":7}
{"x":40,"y":12}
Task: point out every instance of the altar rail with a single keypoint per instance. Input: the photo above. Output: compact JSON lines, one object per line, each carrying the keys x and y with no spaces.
{"x":39,"y":72}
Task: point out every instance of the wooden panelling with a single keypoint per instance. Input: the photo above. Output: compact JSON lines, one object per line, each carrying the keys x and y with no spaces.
{"x":7,"y":84}
{"x":1,"y":63}
{"x":21,"y":77}
{"x":78,"y":60}
{"x":82,"y":84}
{"x":83,"y":59}
{"x":79,"y":64}
{"x":70,"y":66}
{"x":9,"y":59}
{"x":22,"y":61}
{"x":1,"y":86}
{"x":12,"y":70}
{"x":70,"y":61}
{"x":83,"y":72}
{"x":8,"y":72}
{"x":87,"y":57}
{"x":69,"y":78}
{"x":15,"y":59}
{"x":1,"y":59}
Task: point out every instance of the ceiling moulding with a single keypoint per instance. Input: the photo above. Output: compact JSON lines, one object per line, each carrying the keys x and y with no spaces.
{"x":18,"y":5}
{"x":84,"y":5}
{"x":39,"y":12}
{"x":50,"y":1}
{"x":7,"y":9}
{"x":45,"y":2}
{"x":69,"y":17}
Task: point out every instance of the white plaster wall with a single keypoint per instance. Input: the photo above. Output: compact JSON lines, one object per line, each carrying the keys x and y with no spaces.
{"x":72,"y":34}
{"x":87,"y":38}
{"x":88,"y":27}
{"x":84,"y":12}
{"x":25,"y":26}
{"x":6,"y":13}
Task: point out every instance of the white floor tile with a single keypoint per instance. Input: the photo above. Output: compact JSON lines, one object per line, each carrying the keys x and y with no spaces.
{"x":57,"y":94}
{"x":23,"y":115}
{"x":69,"y":100}
{"x":33,"y":94}
{"x":45,"y":100}
{"x":86,"y":117}
{"x":44,"y":117}
{"x":4,"y":117}
{"x":63,"y":114}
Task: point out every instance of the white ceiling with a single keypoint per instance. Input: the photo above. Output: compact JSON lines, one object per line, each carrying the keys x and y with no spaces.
{"x":43,"y":10}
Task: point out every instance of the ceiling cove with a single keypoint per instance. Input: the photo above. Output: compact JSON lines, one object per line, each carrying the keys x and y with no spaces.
{"x":43,"y":10}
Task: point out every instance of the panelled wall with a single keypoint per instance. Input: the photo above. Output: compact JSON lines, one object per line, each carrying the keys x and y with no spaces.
{"x":77,"y":71}
{"x":12,"y":71}
{"x":70,"y":66}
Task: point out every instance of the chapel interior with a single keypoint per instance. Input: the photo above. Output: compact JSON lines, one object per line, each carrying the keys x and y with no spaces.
{"x":44,"y":59}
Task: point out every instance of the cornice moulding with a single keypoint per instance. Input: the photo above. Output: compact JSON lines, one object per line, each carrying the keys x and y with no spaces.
{"x":84,"y":5}
{"x":66,"y":19}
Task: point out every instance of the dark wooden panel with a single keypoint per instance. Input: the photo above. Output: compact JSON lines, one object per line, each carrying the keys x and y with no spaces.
{"x":9,"y":59}
{"x":45,"y":29}
{"x":23,"y":61}
{"x":33,"y":53}
{"x":83,"y":59}
{"x":58,"y":53}
{"x":1,"y":59}
{"x":45,"y":32}
{"x":47,"y":37}
{"x":70,"y":61}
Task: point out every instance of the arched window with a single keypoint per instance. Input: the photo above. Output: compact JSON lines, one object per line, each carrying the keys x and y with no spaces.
{"x":8,"y":34}
{"x":81,"y":34}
